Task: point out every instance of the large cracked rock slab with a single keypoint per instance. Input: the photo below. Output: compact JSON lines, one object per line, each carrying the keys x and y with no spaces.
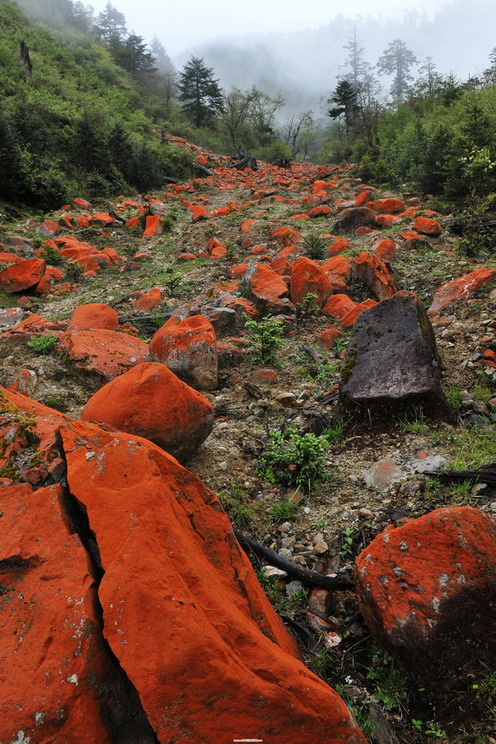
{"x":182,"y":609}
{"x":391,"y":362}
{"x":58,"y":681}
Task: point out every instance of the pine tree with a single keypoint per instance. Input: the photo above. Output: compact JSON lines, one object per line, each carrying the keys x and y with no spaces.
{"x":111,"y":24}
{"x":355,"y":65}
{"x":397,"y":60}
{"x":199,"y":92}
{"x":345,"y":96}
{"x":131,"y":54}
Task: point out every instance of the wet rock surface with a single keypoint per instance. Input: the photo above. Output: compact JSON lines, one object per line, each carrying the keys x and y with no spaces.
{"x":392,"y":362}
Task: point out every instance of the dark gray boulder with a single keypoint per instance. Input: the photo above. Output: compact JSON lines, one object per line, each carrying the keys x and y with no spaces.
{"x":355,"y":217}
{"x":392,"y":364}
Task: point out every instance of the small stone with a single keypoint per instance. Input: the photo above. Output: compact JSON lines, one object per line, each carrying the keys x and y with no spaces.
{"x":365,"y":513}
{"x":288,"y":542}
{"x":331,"y":639}
{"x":286,"y":527}
{"x":286,"y":399}
{"x":383,"y":474}
{"x":293,"y":587}
{"x":223,"y":465}
{"x":423,"y":462}
{"x":319,"y":544}
{"x":285,"y":553}
{"x":273,"y":571}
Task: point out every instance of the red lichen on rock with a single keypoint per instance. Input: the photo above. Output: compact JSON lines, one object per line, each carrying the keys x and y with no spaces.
{"x":187,"y":347}
{"x":151,"y":402}
{"x":462,"y":288}
{"x":427,"y":591}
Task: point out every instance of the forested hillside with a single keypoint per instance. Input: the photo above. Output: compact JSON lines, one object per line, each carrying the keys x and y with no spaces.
{"x":73,"y":121}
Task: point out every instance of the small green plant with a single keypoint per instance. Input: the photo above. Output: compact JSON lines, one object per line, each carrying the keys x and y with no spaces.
{"x":434,"y":730}
{"x":388,"y":679}
{"x":460,"y":492}
{"x":74,"y":271}
{"x":481,"y":393}
{"x":308,"y":306}
{"x":265,"y":338}
{"x":326,"y":373}
{"x":283,"y":510}
{"x":173,"y":282}
{"x":454,"y":397}
{"x":340,"y":344}
{"x":51,"y":255}
{"x":294,"y":459}
{"x":42,"y":344}
{"x":347,"y":549}
{"x":235,"y":502}
{"x":314,"y":246}
{"x":415,"y":423}
{"x":320,"y":523}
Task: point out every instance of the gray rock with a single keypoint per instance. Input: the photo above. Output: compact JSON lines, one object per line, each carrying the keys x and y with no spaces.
{"x":391,"y":363}
{"x":293,"y":587}
{"x":355,"y":217}
{"x":422,"y":462}
{"x":383,"y":474}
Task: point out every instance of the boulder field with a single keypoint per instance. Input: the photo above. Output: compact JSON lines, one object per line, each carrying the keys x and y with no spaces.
{"x":348,"y":429}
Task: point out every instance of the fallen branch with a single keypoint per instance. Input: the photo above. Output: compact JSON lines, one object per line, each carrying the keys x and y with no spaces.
{"x":484,"y":474}
{"x":204,"y":170}
{"x":305,"y":575}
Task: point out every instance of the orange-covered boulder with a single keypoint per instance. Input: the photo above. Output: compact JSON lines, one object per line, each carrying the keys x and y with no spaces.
{"x":182,"y":609}
{"x":149,"y":300}
{"x":153,"y":226}
{"x":337,"y":267}
{"x":376,"y":274}
{"x":387,"y":206}
{"x":94,"y":315}
{"x":188,"y":348}
{"x":427,"y":591}
{"x":427,"y":226}
{"x":104,"y":352}
{"x":151,"y":402}
{"x":307,"y":277}
{"x":385,"y":248}
{"x":350,"y":318}
{"x":261,"y":284}
{"x":22,"y":275}
{"x":329,"y":336}
{"x":338,"y":305}
{"x":27,"y":432}
{"x":462,"y":288}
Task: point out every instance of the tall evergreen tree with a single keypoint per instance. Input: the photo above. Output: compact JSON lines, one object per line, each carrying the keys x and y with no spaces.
{"x":111,"y":24}
{"x":398,"y":60}
{"x":345,"y":98}
{"x":199,"y":92}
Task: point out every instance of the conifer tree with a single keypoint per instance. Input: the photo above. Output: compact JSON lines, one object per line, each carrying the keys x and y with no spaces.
{"x":398,"y":60}
{"x":199,"y":92}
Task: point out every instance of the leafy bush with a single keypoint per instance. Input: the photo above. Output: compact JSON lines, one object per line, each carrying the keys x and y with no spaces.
{"x":294,"y":459}
{"x":42,"y":344}
{"x":265,"y":338}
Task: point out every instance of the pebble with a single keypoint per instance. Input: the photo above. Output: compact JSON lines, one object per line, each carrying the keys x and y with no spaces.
{"x":365,"y":513}
{"x":285,"y":553}
{"x":492,"y":506}
{"x":288,"y":542}
{"x":293,"y":587}
{"x":319,"y":544}
{"x":272,"y":571}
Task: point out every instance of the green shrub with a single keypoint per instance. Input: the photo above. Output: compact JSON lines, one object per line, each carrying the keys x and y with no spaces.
{"x":294,"y":459}
{"x":266,"y":338}
{"x":42,"y":344}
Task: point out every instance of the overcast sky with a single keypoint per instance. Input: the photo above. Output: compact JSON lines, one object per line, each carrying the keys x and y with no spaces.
{"x":182,"y":24}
